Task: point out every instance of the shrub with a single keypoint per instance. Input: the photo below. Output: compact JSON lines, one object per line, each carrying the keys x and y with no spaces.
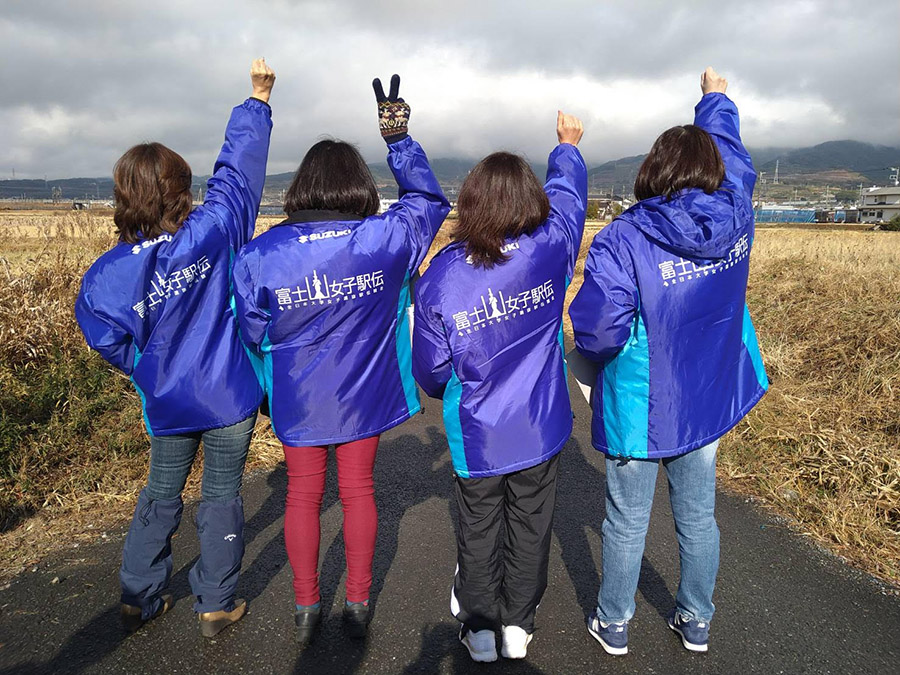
{"x":64,"y":413}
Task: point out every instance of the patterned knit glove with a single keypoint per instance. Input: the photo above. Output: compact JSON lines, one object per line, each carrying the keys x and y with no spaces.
{"x":393,"y":112}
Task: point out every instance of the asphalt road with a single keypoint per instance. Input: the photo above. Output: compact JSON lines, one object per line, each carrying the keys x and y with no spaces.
{"x":782,"y":605}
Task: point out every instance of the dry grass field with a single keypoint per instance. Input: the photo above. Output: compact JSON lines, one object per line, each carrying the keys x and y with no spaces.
{"x":823,"y":448}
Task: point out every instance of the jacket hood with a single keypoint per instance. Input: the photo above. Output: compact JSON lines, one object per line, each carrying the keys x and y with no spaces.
{"x":692,"y":223}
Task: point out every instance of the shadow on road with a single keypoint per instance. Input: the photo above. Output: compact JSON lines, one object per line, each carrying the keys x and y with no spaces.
{"x":409,"y":471}
{"x":103,"y":634}
{"x":442,"y":641}
{"x":273,"y":556}
{"x":424,"y":471}
{"x":580,"y":508}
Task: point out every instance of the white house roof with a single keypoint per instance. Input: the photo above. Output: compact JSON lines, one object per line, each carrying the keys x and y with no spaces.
{"x":892,"y":190}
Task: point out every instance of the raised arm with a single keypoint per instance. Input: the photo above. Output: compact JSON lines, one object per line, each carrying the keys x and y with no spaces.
{"x":603,"y":311}
{"x":566,"y":185}
{"x":235,"y":189}
{"x":431,"y":363}
{"x":422,"y":205}
{"x":104,"y":335}
{"x":717,"y":115}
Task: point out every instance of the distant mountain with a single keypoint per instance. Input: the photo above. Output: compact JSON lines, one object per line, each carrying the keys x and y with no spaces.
{"x":837,"y":163}
{"x":70,"y":188}
{"x":763,"y":155}
{"x":450,"y":172}
{"x":617,"y":175}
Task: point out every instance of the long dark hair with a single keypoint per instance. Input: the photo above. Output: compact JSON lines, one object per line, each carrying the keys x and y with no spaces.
{"x":153,"y":192}
{"x":500,"y":198}
{"x":682,"y":157}
{"x":333,"y":177}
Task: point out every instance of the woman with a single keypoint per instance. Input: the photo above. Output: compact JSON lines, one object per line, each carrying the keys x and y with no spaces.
{"x":323,"y":297}
{"x":156,"y":306}
{"x":488,"y":340}
{"x":663,"y":312}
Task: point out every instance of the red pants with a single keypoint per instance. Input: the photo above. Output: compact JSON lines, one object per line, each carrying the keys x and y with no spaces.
{"x":306,"y":486}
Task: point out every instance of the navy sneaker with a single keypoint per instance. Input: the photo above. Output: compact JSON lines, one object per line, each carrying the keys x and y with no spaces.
{"x":613,"y":637}
{"x":694,"y":634}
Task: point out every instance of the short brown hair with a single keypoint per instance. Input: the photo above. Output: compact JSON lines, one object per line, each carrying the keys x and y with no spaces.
{"x":153,"y":192}
{"x":333,"y":176}
{"x":500,"y":198}
{"x":682,"y":157}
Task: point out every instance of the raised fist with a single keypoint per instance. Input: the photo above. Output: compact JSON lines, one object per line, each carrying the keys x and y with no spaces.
{"x":568,"y":128}
{"x":262,"y":78}
{"x":711,"y":81}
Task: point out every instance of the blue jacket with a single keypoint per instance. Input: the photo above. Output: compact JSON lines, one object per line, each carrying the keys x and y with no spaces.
{"x":663,"y":310}
{"x":490,"y":341}
{"x":322,"y":297}
{"x":159,"y":310}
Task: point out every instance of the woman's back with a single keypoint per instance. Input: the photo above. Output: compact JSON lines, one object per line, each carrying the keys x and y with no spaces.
{"x":489,"y":341}
{"x":663,"y":310}
{"x":323,"y":297}
{"x":691,"y":335}
{"x":158,"y":310}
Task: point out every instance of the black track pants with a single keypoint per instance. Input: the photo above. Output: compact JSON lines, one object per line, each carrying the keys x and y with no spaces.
{"x":503,"y":546}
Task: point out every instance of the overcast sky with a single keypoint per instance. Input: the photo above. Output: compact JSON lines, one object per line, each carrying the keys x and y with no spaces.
{"x":83,"y":81}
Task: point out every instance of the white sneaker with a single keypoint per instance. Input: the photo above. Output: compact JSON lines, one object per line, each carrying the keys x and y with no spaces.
{"x":515,"y":642}
{"x":482,"y":644}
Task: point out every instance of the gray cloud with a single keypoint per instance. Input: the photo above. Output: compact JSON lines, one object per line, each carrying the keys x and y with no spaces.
{"x":83,"y":81}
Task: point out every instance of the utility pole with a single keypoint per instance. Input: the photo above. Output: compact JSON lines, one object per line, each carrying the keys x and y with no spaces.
{"x":775,"y":182}
{"x":860,"y":202}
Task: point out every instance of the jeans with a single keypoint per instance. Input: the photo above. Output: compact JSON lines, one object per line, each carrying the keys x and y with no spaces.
{"x":147,"y":555}
{"x":224,"y":455}
{"x":630,"y":485}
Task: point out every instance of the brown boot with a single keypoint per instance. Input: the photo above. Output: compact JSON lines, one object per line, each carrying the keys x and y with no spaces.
{"x":131,"y":615}
{"x":213,"y":623}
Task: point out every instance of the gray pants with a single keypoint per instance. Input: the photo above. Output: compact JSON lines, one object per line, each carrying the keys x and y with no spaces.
{"x":503,"y":546}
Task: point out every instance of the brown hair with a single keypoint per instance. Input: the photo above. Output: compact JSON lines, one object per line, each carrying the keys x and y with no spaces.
{"x":333,"y":177}
{"x":682,"y":157}
{"x":153,"y":192}
{"x":500,"y":198}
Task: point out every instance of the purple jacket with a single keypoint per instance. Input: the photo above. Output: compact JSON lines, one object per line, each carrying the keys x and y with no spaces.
{"x":322,"y":298}
{"x":490,"y":341}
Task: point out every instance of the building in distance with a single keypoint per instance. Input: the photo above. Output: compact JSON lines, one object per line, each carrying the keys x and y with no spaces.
{"x":879,"y":204}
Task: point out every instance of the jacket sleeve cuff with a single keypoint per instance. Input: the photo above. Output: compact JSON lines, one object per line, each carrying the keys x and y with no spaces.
{"x":395,"y":138}
{"x":254,"y":103}
{"x":563,"y":148}
{"x":401,"y":144}
{"x":712,"y":99}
